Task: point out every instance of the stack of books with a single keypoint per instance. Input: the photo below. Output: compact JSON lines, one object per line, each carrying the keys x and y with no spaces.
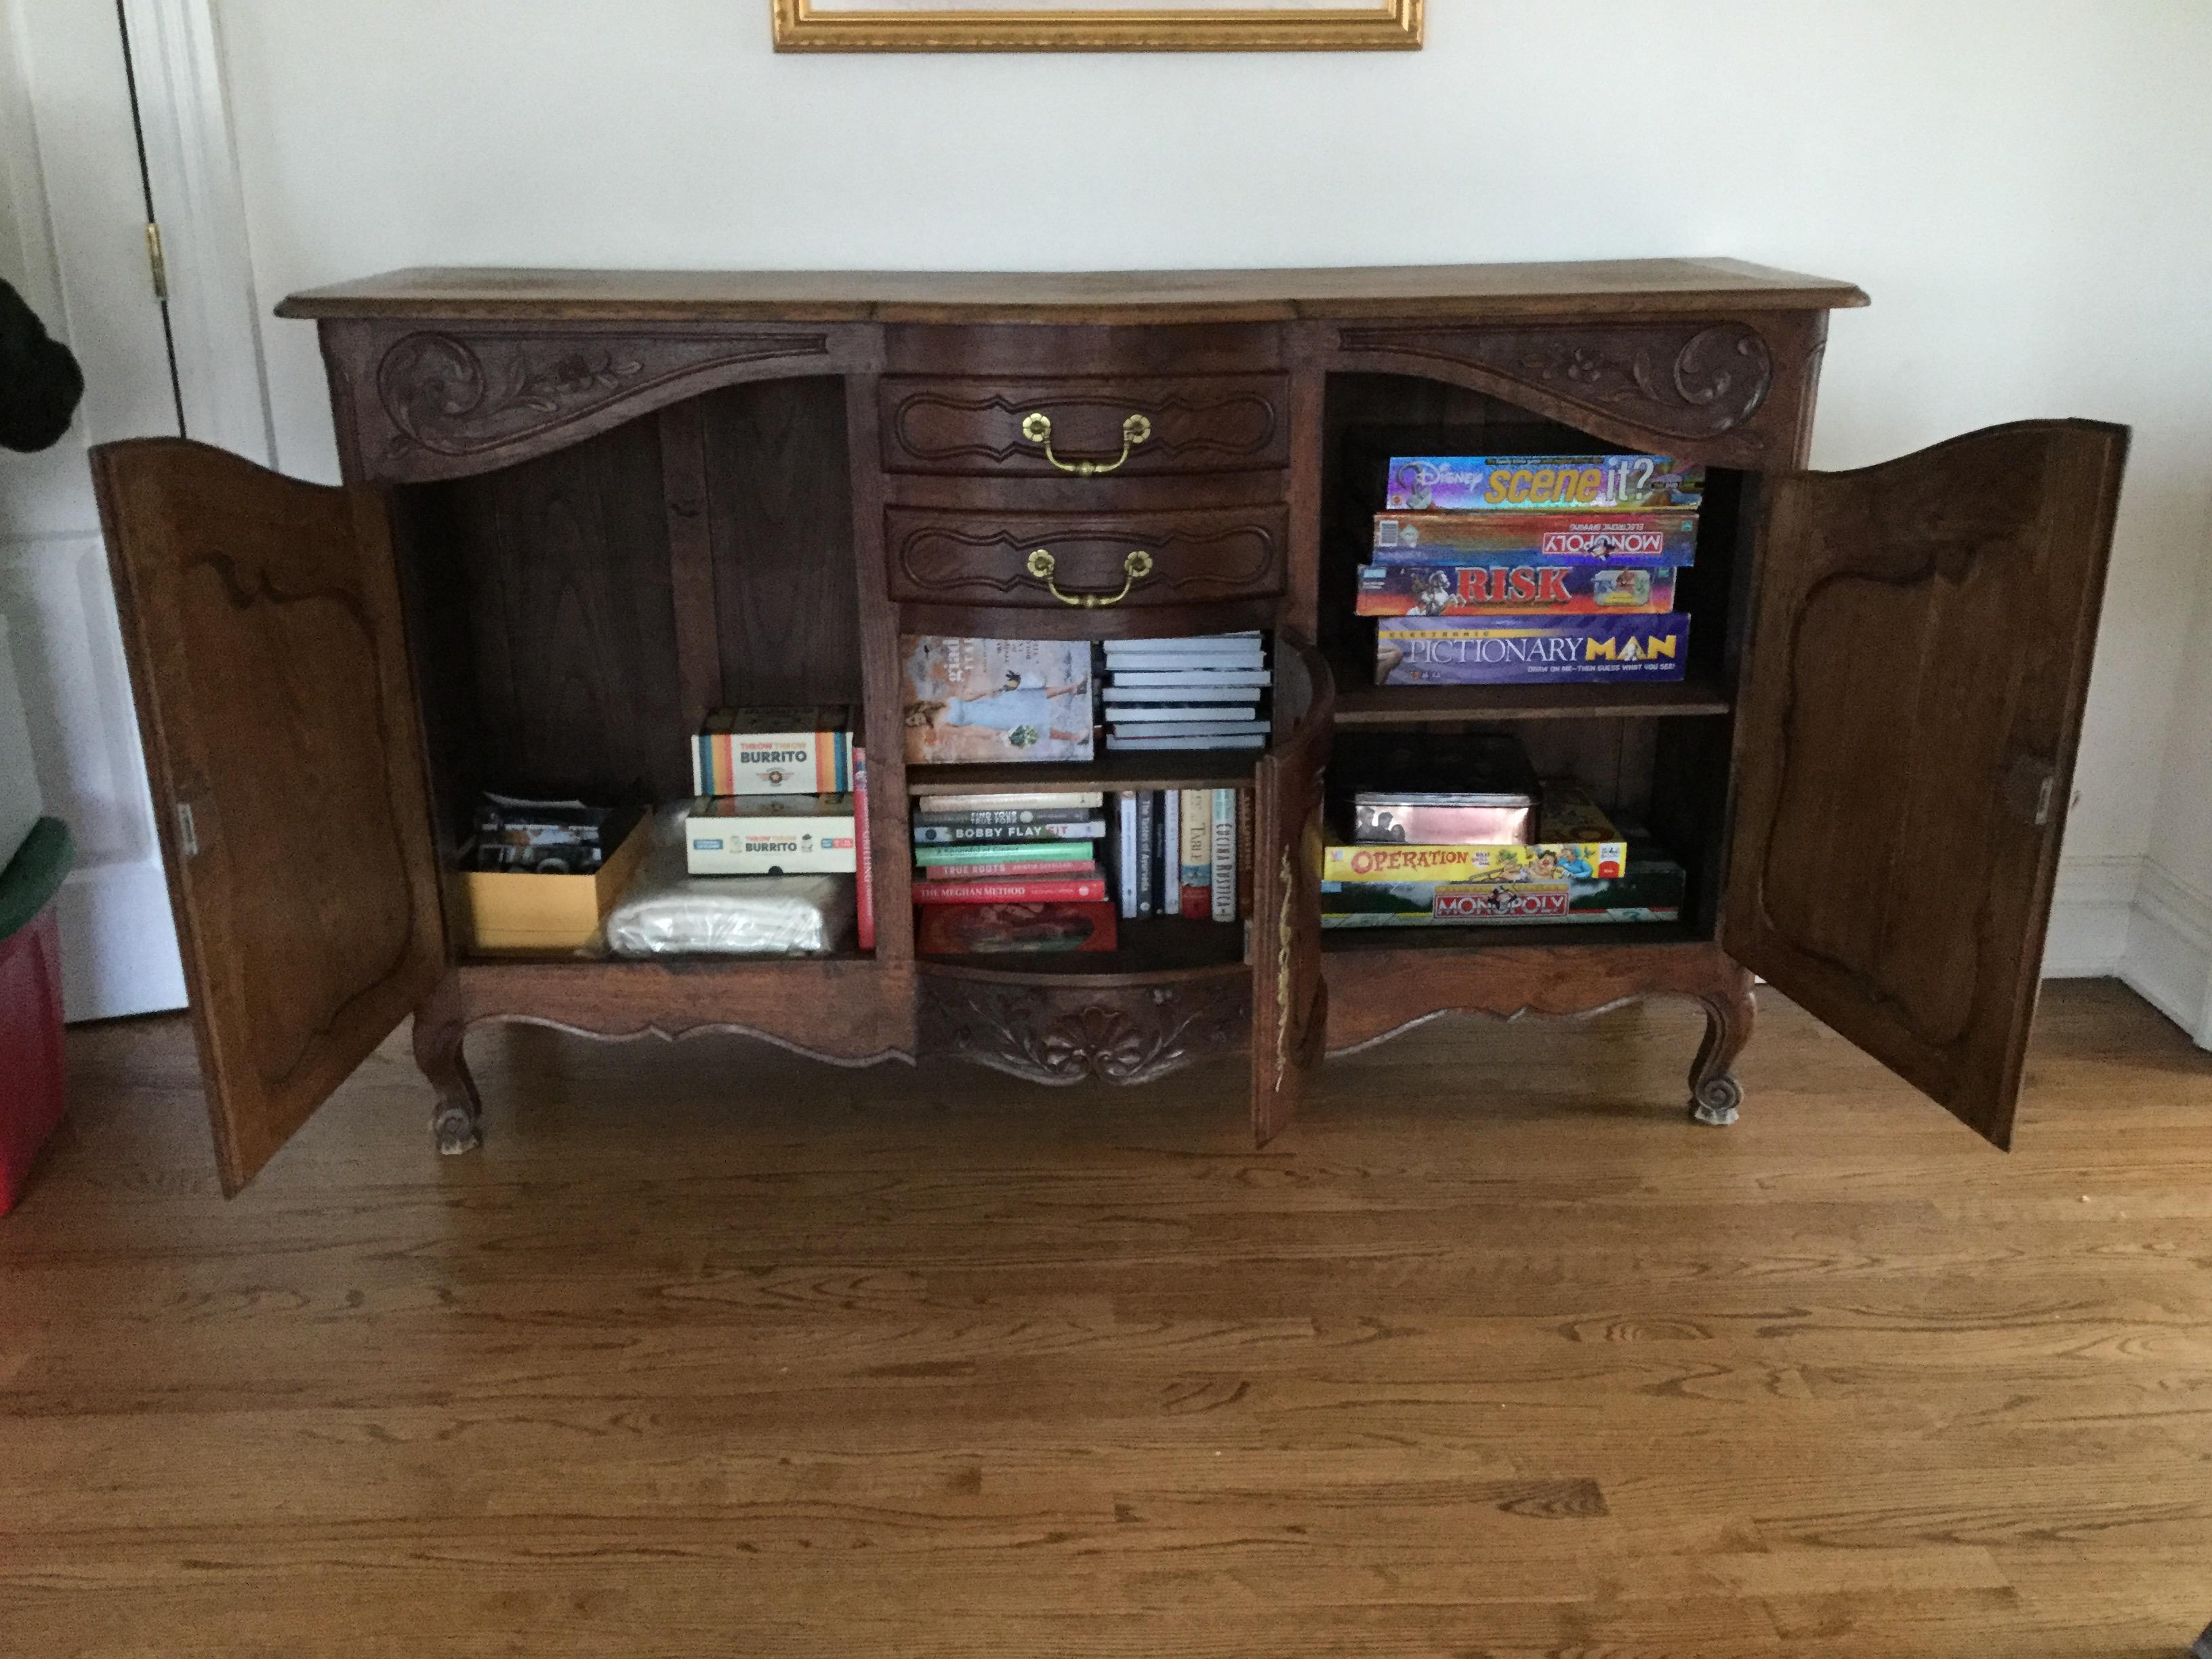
{"x":1515,"y":570}
{"x":1015,"y":871}
{"x":1198,"y":691}
{"x":1183,"y":853}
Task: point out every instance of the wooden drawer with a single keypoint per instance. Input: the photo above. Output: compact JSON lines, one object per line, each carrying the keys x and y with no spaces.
{"x":1047,"y":427}
{"x":1197,"y":556}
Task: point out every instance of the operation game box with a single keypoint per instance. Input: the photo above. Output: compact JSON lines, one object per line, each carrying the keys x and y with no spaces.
{"x":1463,"y":590}
{"x":1650,"y":889}
{"x":1463,"y":483}
{"x":1536,"y":539}
{"x":1530,"y":650}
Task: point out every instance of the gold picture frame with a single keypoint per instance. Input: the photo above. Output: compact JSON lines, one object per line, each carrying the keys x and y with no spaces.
{"x":924,"y":26}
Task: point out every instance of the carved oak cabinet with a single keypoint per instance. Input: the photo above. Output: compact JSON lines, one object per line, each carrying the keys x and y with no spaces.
{"x":582,"y":508}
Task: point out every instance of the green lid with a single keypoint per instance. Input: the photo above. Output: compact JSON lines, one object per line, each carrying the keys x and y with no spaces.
{"x":34,"y":875}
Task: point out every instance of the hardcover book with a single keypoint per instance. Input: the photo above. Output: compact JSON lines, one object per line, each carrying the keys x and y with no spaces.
{"x":1463,"y":484}
{"x":1530,"y":650}
{"x":1052,"y":851}
{"x":952,"y":834}
{"x":1014,"y":929}
{"x":1472,"y":590}
{"x":1536,"y":539}
{"x":1024,"y":890}
{"x":774,"y":752}
{"x":1034,"y":800}
{"x":1010,"y":870}
{"x":978,"y":700}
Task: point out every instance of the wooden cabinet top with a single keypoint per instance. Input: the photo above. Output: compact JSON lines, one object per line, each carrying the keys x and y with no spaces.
{"x":1457,"y":293}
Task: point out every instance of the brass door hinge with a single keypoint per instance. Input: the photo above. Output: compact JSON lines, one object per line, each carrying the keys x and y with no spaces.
{"x":159,"y":265}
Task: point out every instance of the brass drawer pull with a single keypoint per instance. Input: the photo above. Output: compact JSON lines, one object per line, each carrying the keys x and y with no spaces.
{"x":1134,"y":570}
{"x":1036,"y":426}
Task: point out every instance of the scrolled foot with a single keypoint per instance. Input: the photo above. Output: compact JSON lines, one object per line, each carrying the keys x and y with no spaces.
{"x":440,"y":1025}
{"x":455,"y":1127}
{"x":1717,"y":1102}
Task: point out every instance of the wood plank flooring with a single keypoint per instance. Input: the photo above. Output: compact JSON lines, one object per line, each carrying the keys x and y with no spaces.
{"x":714,"y":1352}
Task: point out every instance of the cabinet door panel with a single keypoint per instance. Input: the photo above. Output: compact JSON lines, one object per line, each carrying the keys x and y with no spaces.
{"x":1289,"y":999}
{"x":262,"y":620}
{"x":1912,"y":701}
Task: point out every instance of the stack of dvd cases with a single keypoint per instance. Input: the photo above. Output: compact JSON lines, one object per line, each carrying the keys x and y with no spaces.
{"x":1520,"y":570}
{"x":1198,"y":691}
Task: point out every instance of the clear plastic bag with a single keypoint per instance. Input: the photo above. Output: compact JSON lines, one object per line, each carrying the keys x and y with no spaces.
{"x":667,"y":911}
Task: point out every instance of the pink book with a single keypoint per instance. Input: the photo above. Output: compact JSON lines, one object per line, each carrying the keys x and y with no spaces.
{"x":1009,"y":872}
{"x":1085,"y":890}
{"x":863,"y":883}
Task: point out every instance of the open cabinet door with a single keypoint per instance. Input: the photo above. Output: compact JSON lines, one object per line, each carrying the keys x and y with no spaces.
{"x":1910,"y":703}
{"x":261,"y":617}
{"x":1290,"y":1001}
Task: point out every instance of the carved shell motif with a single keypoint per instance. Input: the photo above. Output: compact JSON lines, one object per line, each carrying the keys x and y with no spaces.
{"x":1050,"y":1035}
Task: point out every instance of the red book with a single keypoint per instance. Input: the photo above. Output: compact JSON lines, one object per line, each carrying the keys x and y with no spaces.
{"x":1017,"y":871}
{"x":1014,"y":929}
{"x":865,"y":880}
{"x":1197,"y":903}
{"x":1084,"y":889}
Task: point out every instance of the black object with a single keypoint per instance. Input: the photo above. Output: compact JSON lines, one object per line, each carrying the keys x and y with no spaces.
{"x":39,"y":380}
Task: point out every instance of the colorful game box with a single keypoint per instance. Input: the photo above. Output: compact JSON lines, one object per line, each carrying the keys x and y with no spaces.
{"x":1574,"y":840}
{"x":1650,"y":889}
{"x":1530,"y":650}
{"x":1494,"y":483}
{"x":1536,"y":539}
{"x":1474,"y":590}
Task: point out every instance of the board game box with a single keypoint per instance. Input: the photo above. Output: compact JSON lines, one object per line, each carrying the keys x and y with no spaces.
{"x":1536,"y":539}
{"x":774,"y":752}
{"x":1463,"y":483}
{"x":1465,"y":589}
{"x":771,"y":835}
{"x":1530,"y":650}
{"x":1650,"y":889}
{"x":984,"y":699}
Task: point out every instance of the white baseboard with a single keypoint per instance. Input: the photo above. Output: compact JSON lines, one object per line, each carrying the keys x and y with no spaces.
{"x":2168,"y":960}
{"x":2092,"y":908}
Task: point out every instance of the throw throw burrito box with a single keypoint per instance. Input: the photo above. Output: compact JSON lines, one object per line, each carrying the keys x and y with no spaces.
{"x":771,"y":835}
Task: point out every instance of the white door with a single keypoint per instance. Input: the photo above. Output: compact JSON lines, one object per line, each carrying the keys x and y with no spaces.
{"x":72,"y":240}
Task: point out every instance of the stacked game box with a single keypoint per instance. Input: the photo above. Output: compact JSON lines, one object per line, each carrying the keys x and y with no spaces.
{"x":1198,"y":691}
{"x":1011,"y":871}
{"x":1515,"y":570}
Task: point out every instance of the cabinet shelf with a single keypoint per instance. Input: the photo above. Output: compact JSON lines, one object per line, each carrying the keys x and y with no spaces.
{"x":1148,"y":946}
{"x":1355,"y":941}
{"x":1172,"y":768}
{"x":1439,"y":705}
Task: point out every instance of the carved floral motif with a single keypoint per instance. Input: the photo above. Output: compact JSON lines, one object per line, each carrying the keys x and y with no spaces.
{"x":1690,"y":379}
{"x":454,"y":396}
{"x":1063,"y":1034}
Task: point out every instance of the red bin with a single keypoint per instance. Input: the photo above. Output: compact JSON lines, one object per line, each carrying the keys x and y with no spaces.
{"x":31,"y":1058}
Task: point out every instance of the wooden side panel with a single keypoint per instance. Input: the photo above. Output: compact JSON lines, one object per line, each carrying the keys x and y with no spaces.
{"x":1289,"y":999}
{"x":568,"y":572}
{"x":262,"y":620}
{"x":780,"y":514}
{"x":1913,"y":697}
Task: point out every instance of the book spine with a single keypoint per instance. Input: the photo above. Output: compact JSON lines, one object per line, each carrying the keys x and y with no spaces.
{"x":1248,"y":834}
{"x":946,"y":835}
{"x":863,"y":883}
{"x":1125,"y":850}
{"x":1148,"y":836}
{"x":1006,"y":818}
{"x":1011,"y":871}
{"x":1038,"y":854}
{"x":1193,"y":855}
{"x":1085,"y":891}
{"x":1225,"y":855}
{"x":1171,"y":832}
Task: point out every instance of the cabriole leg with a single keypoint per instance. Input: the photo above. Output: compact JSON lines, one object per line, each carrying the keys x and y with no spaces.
{"x":456,"y":1118}
{"x":1715,"y":1095}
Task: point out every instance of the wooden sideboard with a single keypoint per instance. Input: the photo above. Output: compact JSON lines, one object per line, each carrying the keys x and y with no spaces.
{"x":582,"y":508}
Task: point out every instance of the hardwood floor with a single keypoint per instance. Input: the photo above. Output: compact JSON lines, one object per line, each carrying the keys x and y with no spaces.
{"x":714,"y":1352}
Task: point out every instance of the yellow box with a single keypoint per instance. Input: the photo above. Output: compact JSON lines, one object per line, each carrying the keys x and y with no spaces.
{"x":521,"y":910}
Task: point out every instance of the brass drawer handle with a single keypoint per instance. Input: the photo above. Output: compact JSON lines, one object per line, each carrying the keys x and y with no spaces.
{"x":1134,"y":570}
{"x":1036,"y":426}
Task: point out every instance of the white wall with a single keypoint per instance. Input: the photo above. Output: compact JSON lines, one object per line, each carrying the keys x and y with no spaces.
{"x":72,"y":224}
{"x":2024,"y":187}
